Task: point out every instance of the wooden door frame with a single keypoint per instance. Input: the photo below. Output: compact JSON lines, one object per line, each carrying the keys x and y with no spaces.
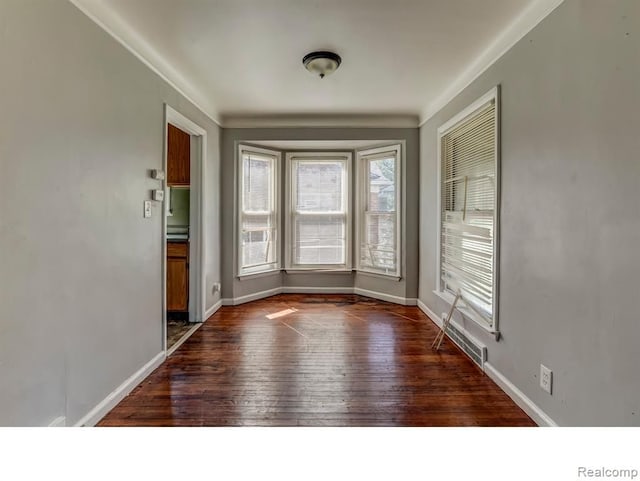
{"x":197,"y":228}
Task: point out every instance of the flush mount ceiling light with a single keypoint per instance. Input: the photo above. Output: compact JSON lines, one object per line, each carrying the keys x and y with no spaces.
{"x":321,"y":63}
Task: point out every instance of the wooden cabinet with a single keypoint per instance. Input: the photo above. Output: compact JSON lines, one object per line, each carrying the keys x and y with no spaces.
{"x":178,"y":156}
{"x":177,"y":276}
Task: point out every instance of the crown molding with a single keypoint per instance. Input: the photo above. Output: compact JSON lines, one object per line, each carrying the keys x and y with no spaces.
{"x":523,"y":24}
{"x":107,"y":19}
{"x":320,"y":121}
{"x":110,"y":22}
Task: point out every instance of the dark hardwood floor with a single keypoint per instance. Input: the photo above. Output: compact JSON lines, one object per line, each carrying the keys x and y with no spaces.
{"x":337,"y":360}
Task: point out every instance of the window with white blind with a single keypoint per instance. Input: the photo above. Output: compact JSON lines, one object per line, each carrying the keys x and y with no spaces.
{"x":379,"y":210}
{"x":258,"y":213}
{"x":317,"y":223}
{"x":469,"y":193}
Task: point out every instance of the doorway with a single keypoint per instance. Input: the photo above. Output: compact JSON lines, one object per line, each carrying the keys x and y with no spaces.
{"x":183,"y":232}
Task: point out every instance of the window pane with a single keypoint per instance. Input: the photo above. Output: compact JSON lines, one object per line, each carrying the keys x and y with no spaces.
{"x":382,"y":185}
{"x":378,"y":249}
{"x":467,"y":249}
{"x":258,"y":240}
{"x":257,"y":183}
{"x":320,"y":187}
{"x":319,"y":239}
{"x":258,"y":246}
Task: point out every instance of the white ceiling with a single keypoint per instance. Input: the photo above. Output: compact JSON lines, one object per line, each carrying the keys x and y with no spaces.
{"x":244,"y":57}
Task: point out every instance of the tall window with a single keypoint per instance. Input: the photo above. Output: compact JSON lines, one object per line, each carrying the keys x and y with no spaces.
{"x":468,"y":208}
{"x":318,"y":211}
{"x":258,"y":219}
{"x":379,"y":212}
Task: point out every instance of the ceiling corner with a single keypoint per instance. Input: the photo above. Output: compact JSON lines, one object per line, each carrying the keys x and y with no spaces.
{"x":531,"y":16}
{"x":116,"y":27}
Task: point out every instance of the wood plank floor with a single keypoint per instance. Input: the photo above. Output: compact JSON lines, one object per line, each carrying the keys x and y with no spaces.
{"x":332,"y":360}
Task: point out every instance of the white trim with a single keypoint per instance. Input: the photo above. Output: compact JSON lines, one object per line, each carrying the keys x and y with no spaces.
{"x":256,"y":275}
{"x":346,"y":159}
{"x":119,"y":393}
{"x":212,"y":310}
{"x":98,"y":12}
{"x":379,"y":275}
{"x":430,"y":314}
{"x":59,"y":422}
{"x":251,"y":297}
{"x":312,"y":270}
{"x":198,"y":234}
{"x":184,"y":337}
{"x":527,"y":405}
{"x":403,"y":301}
{"x":493,"y":95}
{"x":320,"y":121}
{"x":522,"y":25}
{"x":317,"y":290}
{"x":362,"y":156}
{"x":276,"y":204}
{"x":490,"y":96}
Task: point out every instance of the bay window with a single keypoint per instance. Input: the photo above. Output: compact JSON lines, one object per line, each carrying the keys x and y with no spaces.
{"x":379,"y":210}
{"x":317,"y":223}
{"x":258,"y":213}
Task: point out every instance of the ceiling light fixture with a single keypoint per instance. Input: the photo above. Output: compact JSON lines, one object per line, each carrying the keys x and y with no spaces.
{"x":321,"y":63}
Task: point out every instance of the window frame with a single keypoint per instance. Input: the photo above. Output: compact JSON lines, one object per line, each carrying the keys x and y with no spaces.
{"x":492,"y":95}
{"x":274,"y":266}
{"x":362,"y":157}
{"x":290,"y":158}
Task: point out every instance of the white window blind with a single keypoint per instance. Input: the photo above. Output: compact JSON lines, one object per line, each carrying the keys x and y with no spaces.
{"x":379,"y":216}
{"x":468,"y":209}
{"x":258,"y":215}
{"x":318,"y":206}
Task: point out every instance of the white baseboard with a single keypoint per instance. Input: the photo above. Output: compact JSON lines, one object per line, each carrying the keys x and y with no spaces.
{"x":108,"y":403}
{"x":527,"y":405}
{"x":212,"y":310}
{"x":58,"y":422}
{"x":317,"y":290}
{"x":385,"y":297}
{"x":430,"y":314}
{"x":251,"y":297}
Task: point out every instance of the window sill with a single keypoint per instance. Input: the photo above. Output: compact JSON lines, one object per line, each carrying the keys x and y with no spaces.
{"x":318,"y":271}
{"x":388,"y":277}
{"x":467,"y":313}
{"x":255,"y":275}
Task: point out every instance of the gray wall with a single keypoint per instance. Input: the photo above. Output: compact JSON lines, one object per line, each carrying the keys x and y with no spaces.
{"x":406,"y":287}
{"x":570,"y":229}
{"x":80,"y":284}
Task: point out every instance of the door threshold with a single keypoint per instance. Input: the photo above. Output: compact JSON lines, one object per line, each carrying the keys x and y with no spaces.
{"x":186,"y":336}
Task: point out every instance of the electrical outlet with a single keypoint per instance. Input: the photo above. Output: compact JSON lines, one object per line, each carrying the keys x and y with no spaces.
{"x":546,"y":378}
{"x":216,"y":287}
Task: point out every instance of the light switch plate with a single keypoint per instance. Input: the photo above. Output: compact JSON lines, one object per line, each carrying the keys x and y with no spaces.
{"x":147,"y":209}
{"x":157,"y":174}
{"x":158,"y":195}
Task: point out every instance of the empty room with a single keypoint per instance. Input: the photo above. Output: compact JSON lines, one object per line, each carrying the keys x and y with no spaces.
{"x":284,"y":213}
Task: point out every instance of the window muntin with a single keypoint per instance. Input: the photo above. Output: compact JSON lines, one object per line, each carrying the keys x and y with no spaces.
{"x":318,"y":211}
{"x":258,"y":219}
{"x":379,"y":235}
